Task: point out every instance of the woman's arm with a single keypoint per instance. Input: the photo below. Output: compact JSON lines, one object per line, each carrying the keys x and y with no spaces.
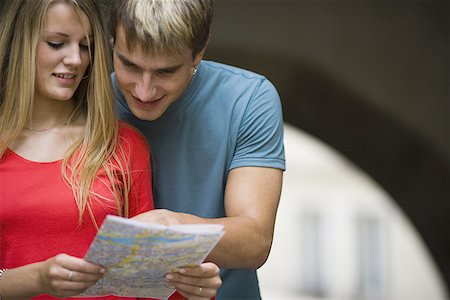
{"x":60,"y":276}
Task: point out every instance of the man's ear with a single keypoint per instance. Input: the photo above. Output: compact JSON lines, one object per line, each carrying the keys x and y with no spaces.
{"x":198,"y":58}
{"x":200,"y":55}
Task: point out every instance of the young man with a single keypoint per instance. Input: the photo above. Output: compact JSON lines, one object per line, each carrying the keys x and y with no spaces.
{"x":215,"y":132}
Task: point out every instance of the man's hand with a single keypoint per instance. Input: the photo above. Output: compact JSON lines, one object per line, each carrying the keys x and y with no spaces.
{"x":159,"y":216}
{"x":251,"y":200}
{"x":199,"y":282}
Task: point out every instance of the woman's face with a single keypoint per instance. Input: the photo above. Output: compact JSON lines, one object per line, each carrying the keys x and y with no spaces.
{"x":62,"y":54}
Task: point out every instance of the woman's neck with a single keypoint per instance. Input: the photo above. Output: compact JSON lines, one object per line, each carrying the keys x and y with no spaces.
{"x":48,"y":114}
{"x":44,"y":138}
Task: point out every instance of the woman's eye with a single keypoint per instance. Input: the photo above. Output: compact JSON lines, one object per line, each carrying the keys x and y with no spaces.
{"x":54,"y":45}
{"x":85,"y":46}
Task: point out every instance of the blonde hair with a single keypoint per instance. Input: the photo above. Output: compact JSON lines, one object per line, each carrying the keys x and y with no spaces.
{"x":164,"y":26}
{"x":98,"y":148}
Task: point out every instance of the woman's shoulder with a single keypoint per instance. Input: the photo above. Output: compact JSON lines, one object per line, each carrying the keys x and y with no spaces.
{"x":132,"y":136}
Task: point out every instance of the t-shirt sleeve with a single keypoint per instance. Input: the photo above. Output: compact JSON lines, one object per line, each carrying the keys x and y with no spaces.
{"x":260,"y":138}
{"x":140,"y":196}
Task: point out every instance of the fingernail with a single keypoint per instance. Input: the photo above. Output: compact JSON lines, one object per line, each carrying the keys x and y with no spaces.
{"x":169,"y":277}
{"x":182,"y":271}
{"x":102,"y":271}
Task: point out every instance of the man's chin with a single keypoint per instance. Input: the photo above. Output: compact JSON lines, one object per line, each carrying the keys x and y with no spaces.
{"x":146,"y":115}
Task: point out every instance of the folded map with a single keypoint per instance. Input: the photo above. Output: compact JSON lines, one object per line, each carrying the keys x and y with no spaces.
{"x":137,"y":255}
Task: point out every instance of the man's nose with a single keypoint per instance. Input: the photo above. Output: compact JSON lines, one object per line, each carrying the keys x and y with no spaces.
{"x":145,"y":89}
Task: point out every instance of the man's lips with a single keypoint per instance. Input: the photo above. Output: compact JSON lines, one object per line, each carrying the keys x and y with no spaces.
{"x":148,"y":101}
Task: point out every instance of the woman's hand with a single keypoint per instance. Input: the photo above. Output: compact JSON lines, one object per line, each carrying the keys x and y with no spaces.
{"x":60,"y":276}
{"x":196,"y":283}
{"x":64,"y":275}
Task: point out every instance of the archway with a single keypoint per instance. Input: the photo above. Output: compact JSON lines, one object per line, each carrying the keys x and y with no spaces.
{"x":406,"y":165}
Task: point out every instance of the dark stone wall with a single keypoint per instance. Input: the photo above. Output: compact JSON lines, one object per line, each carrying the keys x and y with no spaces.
{"x":393,"y":53}
{"x":369,"y":78}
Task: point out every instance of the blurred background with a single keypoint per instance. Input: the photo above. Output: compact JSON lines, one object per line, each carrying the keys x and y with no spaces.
{"x":364,"y":84}
{"x":365,"y":208}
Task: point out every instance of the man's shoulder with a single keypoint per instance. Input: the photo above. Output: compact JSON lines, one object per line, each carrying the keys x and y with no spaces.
{"x":231,"y":70}
{"x":233,"y":79}
{"x":131,"y":136}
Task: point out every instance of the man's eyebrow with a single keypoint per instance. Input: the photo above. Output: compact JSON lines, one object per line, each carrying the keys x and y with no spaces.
{"x":170,"y":69}
{"x":134,"y":65}
{"x":126,"y":60}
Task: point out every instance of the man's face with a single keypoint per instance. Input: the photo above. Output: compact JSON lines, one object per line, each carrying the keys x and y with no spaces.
{"x":151,"y":83}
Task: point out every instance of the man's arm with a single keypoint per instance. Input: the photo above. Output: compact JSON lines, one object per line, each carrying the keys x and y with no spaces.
{"x":252,"y":195}
{"x":251,"y":200}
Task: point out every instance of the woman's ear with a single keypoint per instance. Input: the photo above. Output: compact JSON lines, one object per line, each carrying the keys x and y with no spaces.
{"x":111,"y":42}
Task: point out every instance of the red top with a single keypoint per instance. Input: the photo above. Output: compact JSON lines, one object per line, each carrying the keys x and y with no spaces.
{"x":38,"y":213}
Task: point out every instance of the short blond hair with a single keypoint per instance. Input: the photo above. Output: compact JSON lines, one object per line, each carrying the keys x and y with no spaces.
{"x":164,"y":26}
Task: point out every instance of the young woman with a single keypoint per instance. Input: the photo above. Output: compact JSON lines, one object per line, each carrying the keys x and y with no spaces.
{"x":65,"y":160}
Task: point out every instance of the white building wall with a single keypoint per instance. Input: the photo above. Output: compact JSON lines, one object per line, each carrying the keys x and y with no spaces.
{"x":334,"y":225}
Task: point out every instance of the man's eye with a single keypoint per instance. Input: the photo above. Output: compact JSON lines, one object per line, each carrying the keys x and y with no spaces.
{"x":54,"y":45}
{"x":166,"y":72}
{"x":129,"y":65}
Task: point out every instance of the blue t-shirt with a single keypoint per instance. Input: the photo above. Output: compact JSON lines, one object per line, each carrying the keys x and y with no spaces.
{"x":227,"y":118}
